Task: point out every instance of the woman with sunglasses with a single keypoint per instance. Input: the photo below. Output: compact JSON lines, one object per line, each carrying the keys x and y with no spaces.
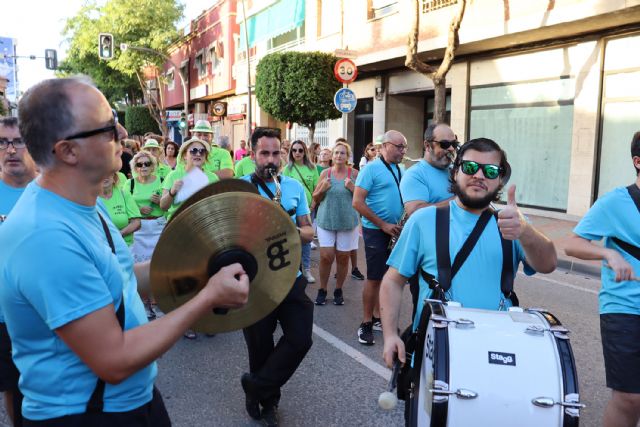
{"x":337,"y":221}
{"x":301,"y":169}
{"x":146,"y":189}
{"x":370,"y":154}
{"x":193,"y":154}
{"x":123,"y":210}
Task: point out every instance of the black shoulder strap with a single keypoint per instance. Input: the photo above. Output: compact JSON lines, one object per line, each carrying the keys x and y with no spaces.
{"x":634,"y":192}
{"x":506,"y":277}
{"x":259,"y":183}
{"x":132,"y":184}
{"x":96,"y":402}
{"x":442,"y":247}
{"x":396,"y":179}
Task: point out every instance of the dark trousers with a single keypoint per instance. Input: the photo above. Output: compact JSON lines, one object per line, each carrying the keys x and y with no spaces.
{"x":152,"y":414}
{"x":273,"y":365}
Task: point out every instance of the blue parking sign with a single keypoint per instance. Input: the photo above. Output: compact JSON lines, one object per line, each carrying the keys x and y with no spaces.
{"x":345,"y":100}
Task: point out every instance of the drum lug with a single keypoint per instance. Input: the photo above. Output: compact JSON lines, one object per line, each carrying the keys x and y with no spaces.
{"x":572,"y":401}
{"x":558,"y":331}
{"x":442,"y":322}
{"x":445,"y":392}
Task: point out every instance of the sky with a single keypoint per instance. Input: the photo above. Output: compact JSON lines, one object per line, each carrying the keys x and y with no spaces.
{"x":37,"y":25}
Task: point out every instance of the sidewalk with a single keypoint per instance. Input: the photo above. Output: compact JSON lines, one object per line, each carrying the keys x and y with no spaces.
{"x":559,"y":231}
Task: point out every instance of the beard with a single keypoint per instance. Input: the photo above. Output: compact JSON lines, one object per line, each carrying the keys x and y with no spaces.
{"x":267,"y":171}
{"x":474,"y":202}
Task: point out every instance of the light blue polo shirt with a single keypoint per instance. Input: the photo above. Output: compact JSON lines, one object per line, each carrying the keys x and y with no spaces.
{"x":477,"y":283}
{"x":8,"y":197}
{"x":615,"y":215}
{"x":293,"y":196}
{"x":383,"y":196}
{"x":423,"y":182}
{"x":56,"y":266}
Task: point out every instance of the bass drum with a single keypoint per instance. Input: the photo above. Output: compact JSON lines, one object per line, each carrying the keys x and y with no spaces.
{"x":495,"y":368}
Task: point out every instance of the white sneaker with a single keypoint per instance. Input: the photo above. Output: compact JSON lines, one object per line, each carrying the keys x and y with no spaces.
{"x":309,"y":276}
{"x":313,"y":246}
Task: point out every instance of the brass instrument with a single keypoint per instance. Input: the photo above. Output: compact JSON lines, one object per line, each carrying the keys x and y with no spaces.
{"x":274,"y":174}
{"x":394,"y":239}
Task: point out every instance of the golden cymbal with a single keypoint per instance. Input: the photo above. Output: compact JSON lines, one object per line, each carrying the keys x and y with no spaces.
{"x":218,"y":187}
{"x":217,"y":231}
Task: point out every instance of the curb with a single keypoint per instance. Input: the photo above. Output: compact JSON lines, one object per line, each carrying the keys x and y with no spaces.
{"x":579,"y":267}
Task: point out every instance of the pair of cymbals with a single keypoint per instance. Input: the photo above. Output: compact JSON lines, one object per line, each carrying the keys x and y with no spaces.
{"x":223,"y":223}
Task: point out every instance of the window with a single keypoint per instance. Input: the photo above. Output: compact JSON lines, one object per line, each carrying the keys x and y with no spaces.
{"x":215,"y":57}
{"x":201,"y":65}
{"x":431,"y":5}
{"x":381,"y":8}
{"x":286,"y":40}
{"x":184,"y":70}
{"x":171,"y":78}
{"x":328,"y":11}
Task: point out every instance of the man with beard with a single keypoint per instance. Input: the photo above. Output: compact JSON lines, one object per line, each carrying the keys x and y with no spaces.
{"x":479,"y":173}
{"x":271,"y":367}
{"x":427,"y":182}
{"x":18,"y":170}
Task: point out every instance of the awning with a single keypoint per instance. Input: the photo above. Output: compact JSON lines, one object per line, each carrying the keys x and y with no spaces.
{"x":279,"y":18}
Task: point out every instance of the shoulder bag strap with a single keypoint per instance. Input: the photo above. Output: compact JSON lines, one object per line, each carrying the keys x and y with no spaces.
{"x":301,"y":178}
{"x":96,"y":402}
{"x":259,"y":183}
{"x":132,"y":184}
{"x":634,"y":192}
{"x":506,"y":276}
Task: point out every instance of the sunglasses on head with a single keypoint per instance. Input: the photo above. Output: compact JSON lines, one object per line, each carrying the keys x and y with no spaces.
{"x":297,"y":150}
{"x":446,"y":143}
{"x":469,"y":167}
{"x":143,"y":164}
{"x":197,"y":151}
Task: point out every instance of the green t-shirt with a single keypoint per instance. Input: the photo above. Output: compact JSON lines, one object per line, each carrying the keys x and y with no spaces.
{"x":321,"y":168}
{"x":142,"y":195}
{"x":122,"y":209}
{"x":244,"y":167}
{"x":122,"y":179}
{"x":175,"y":176}
{"x":309,"y":178}
{"x":162,"y":171}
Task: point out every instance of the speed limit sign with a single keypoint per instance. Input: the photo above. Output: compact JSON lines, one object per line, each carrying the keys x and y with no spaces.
{"x":345,"y":70}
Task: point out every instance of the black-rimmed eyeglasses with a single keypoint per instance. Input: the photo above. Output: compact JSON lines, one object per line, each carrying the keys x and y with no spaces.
{"x":111,"y":128}
{"x":16,"y":142}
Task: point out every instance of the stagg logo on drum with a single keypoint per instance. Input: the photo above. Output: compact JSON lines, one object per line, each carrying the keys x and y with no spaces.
{"x":498,"y":358}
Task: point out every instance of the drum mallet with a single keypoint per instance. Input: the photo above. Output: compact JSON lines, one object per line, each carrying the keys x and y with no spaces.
{"x":388,"y":399}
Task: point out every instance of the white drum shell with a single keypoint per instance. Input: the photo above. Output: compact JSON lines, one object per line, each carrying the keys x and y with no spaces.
{"x":504,"y":390}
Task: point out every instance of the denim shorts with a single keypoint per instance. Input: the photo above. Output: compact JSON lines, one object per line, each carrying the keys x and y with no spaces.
{"x":376,"y":249}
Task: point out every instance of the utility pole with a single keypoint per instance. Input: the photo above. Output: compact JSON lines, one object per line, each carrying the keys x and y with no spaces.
{"x":124,"y":46}
{"x":246,"y":41}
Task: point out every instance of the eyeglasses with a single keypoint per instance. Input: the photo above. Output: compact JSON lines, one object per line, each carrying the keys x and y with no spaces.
{"x":111,"y":128}
{"x":297,"y":150}
{"x":143,"y":164}
{"x":469,"y":167}
{"x":17,"y":143}
{"x":401,"y":147}
{"x":197,"y":151}
{"x":445,"y":143}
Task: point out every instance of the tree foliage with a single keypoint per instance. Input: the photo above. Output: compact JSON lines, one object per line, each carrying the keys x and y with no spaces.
{"x":144,"y":23}
{"x":298,"y":87}
{"x":138,"y":120}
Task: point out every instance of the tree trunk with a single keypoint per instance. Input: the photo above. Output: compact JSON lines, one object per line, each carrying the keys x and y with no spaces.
{"x":312,"y":132}
{"x":440,"y":100}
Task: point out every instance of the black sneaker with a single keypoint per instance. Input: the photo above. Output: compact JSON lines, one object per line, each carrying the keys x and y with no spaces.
{"x":377,"y":324}
{"x":365,"y":333}
{"x":321,"y":299}
{"x":251,"y":402}
{"x":270,"y":416}
{"x":356,"y":274}
{"x":337,"y":297}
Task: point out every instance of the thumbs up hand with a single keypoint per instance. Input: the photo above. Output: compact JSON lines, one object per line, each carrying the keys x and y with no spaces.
{"x":510,"y":221}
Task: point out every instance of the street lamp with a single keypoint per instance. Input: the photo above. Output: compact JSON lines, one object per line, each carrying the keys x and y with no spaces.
{"x":124,"y":46}
{"x":246,"y":39}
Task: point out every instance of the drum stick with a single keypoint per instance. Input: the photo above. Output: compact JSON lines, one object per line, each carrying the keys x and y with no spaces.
{"x":388,"y":399}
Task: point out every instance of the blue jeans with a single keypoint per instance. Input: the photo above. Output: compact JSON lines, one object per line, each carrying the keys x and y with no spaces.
{"x":306,"y":256}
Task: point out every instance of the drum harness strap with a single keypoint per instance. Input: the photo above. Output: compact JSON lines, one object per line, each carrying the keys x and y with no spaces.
{"x":96,"y":402}
{"x":634,"y":192}
{"x":259,"y":183}
{"x":446,"y":271}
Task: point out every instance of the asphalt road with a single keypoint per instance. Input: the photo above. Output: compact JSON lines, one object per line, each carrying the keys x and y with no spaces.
{"x":339,"y":381}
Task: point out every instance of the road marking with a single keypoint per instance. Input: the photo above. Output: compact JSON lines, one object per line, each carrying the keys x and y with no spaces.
{"x":557,"y":282}
{"x":359,"y":357}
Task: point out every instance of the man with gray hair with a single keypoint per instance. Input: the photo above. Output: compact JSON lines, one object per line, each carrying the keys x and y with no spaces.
{"x":83,"y":346}
{"x":18,"y":171}
{"x":377,"y":198}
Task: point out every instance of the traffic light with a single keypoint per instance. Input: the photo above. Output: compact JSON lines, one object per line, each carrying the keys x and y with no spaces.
{"x":50,"y":59}
{"x":183,"y":121}
{"x":105,"y":46}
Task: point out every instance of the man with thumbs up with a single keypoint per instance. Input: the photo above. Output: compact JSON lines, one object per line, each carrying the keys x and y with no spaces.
{"x":484,"y":248}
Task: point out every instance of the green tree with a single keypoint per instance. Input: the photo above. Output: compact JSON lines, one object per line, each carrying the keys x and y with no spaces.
{"x":3,"y":109}
{"x":144,"y":23}
{"x":138,"y":121}
{"x":298,"y":87}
